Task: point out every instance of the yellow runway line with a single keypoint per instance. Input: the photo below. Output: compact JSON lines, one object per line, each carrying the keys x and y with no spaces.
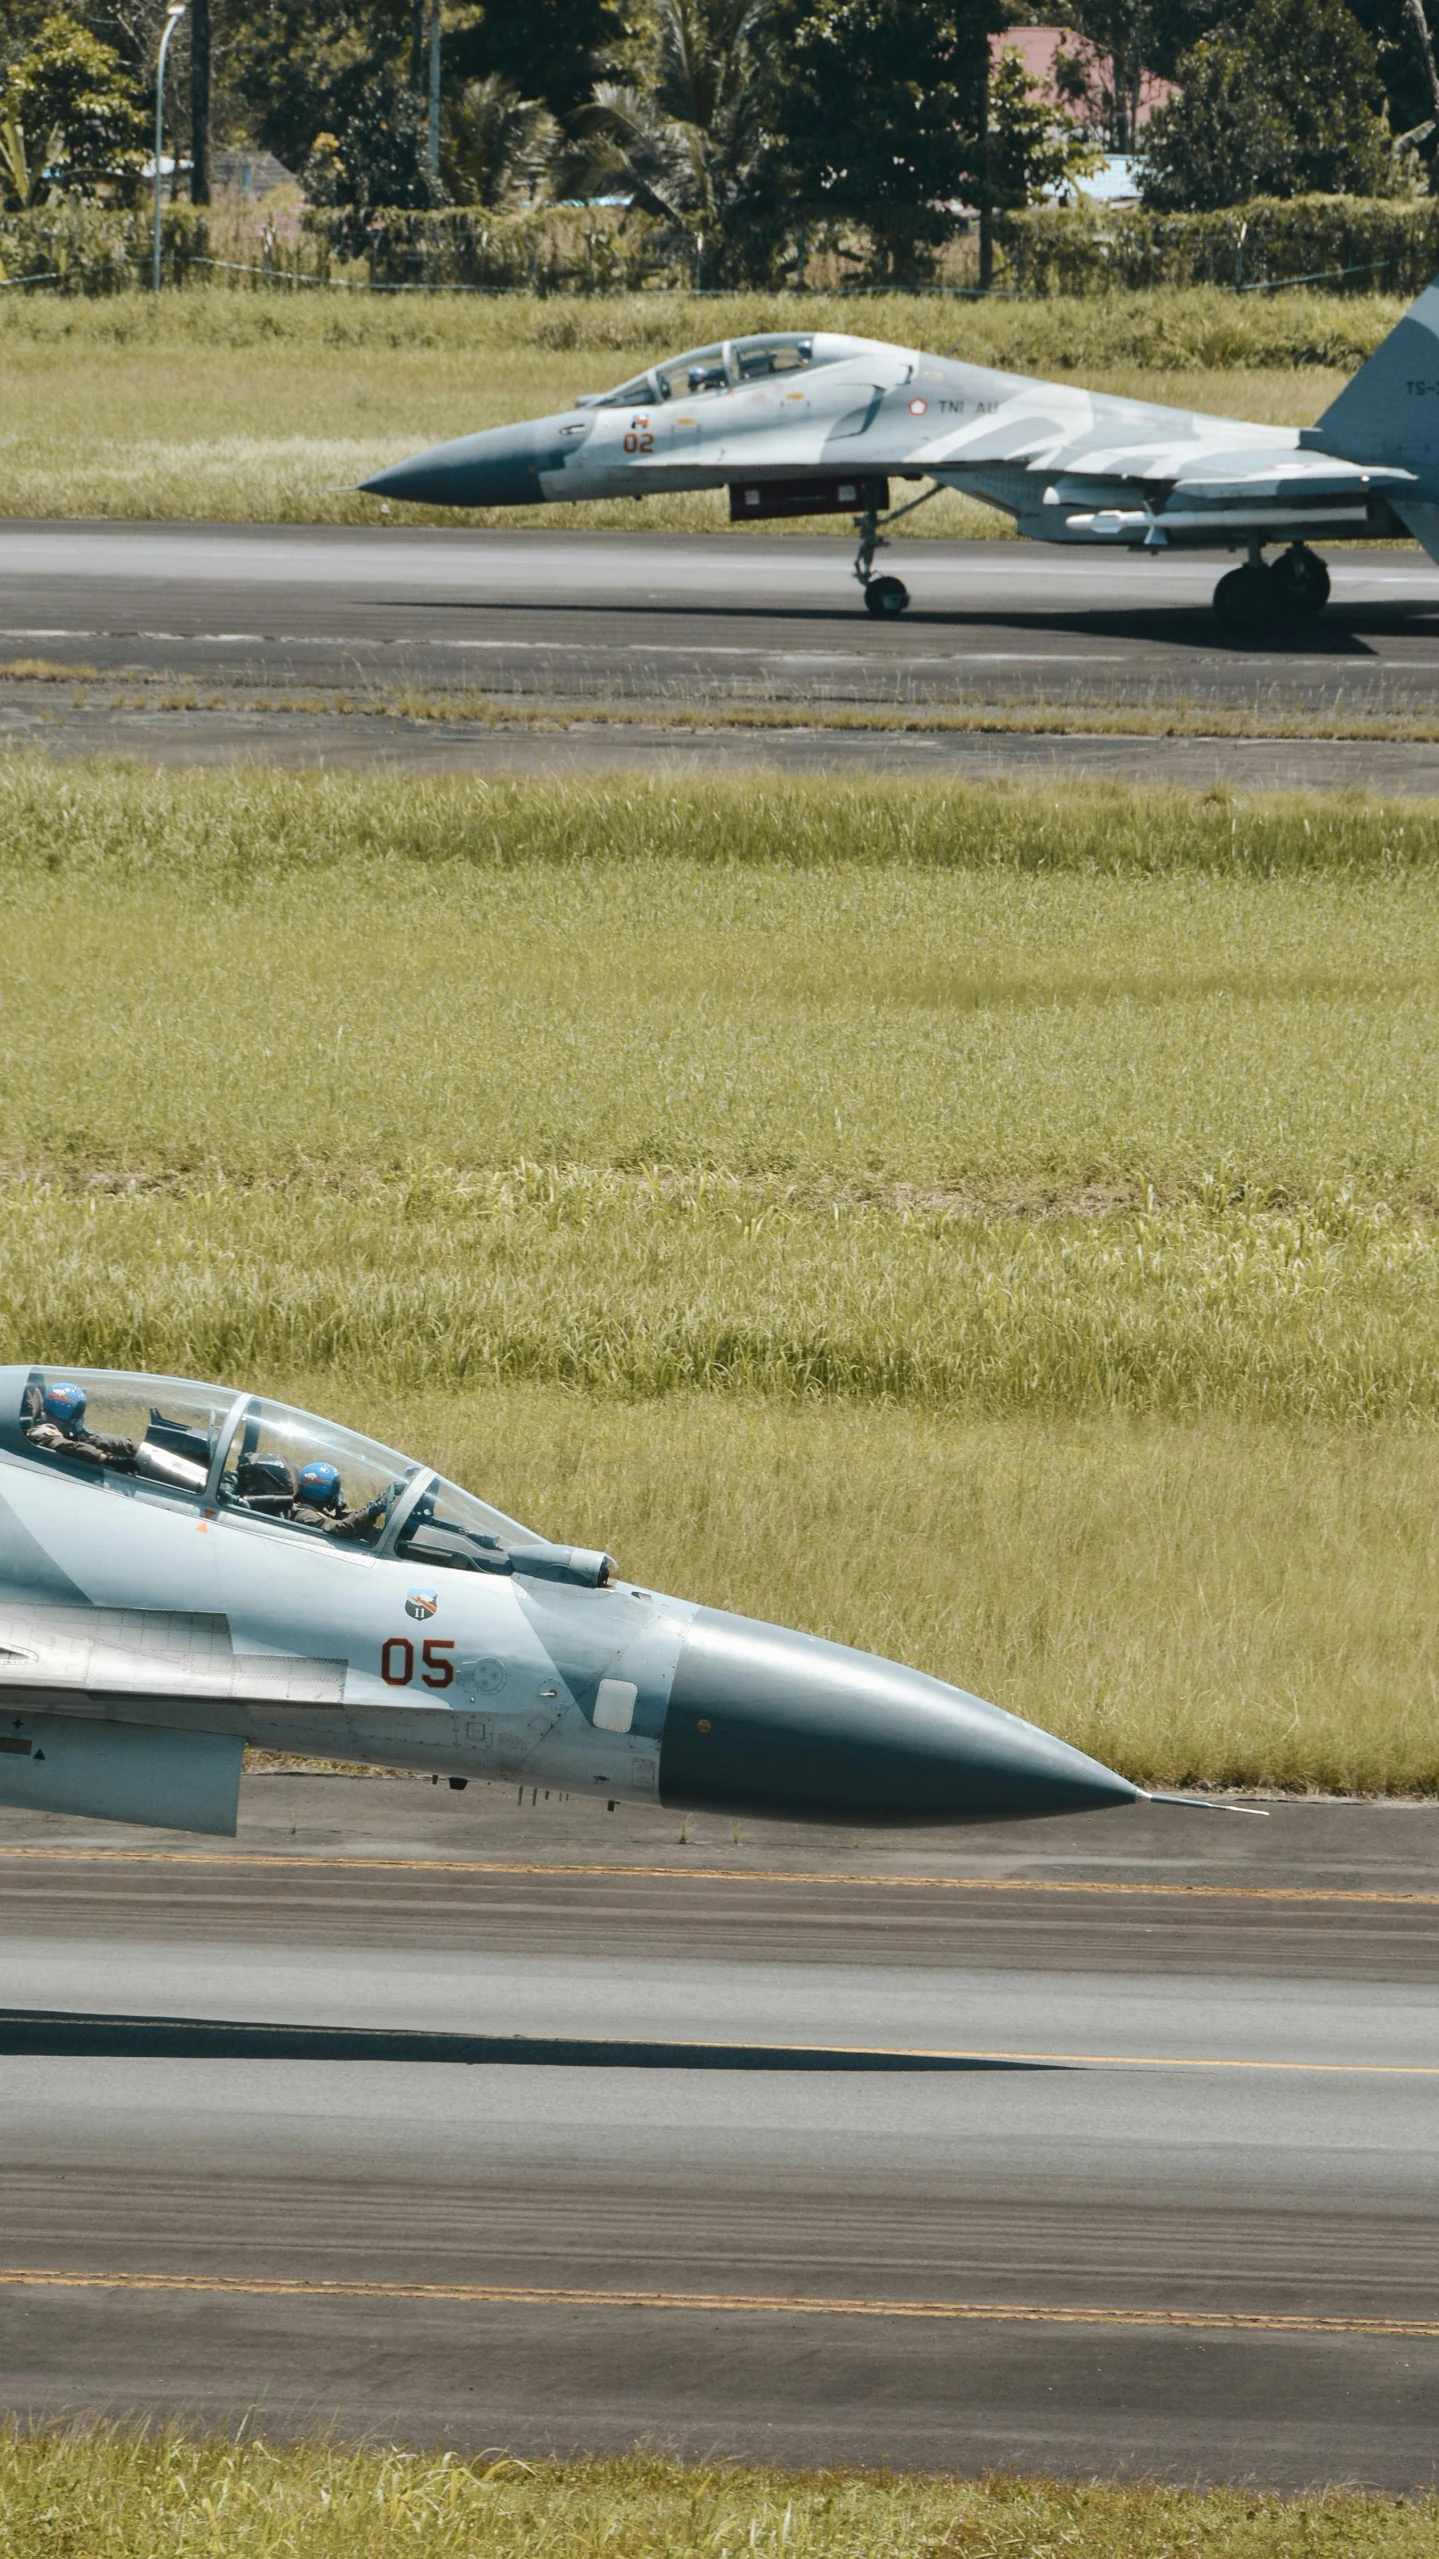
{"x":1113,"y":2061}
{"x":586,"y":2297}
{"x":722,"y":1875}
{"x":1192,"y":2061}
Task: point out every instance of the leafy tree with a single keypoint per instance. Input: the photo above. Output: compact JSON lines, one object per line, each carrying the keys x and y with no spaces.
{"x":683,"y":136}
{"x":1122,"y":40}
{"x":1033,"y":149}
{"x":1289,"y":105}
{"x":882,"y":110}
{"x":497,"y":149}
{"x":383,"y":149}
{"x":70,"y":105}
{"x":296,"y":68}
{"x":552,"y":50}
{"x":20,"y":23}
{"x":1396,"y":30}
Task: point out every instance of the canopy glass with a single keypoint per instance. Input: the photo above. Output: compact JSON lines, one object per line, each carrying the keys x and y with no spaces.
{"x":720,"y":368}
{"x":248,"y":1456}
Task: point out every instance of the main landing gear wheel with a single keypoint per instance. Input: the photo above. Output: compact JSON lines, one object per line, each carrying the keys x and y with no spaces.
{"x":1245,"y":599}
{"x":885,"y":597}
{"x":1299,"y":582}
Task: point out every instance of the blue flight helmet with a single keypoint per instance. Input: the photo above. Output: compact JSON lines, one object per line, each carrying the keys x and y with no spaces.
{"x":319,"y":1484}
{"x":65,"y":1406}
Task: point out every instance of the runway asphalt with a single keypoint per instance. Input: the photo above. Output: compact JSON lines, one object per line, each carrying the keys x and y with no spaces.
{"x":1094,"y":2146}
{"x":660,"y":627}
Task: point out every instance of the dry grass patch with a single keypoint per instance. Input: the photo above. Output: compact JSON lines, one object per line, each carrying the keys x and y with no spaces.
{"x":620,"y":1289}
{"x":111,"y":2494}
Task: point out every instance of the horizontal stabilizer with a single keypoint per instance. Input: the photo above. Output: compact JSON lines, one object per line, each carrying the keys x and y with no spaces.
{"x":1312,"y":478}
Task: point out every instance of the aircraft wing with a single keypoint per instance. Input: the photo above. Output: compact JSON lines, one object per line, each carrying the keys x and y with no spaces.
{"x":80,"y":1661}
{"x":1188,"y":494}
{"x":1231,"y":478}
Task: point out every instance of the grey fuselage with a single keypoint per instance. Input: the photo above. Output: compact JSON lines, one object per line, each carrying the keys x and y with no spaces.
{"x":1067,"y":464}
{"x":152,"y":1624}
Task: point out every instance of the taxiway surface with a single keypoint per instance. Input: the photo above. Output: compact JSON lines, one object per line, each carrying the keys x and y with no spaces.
{"x":665,"y":626}
{"x":1104,"y":2145}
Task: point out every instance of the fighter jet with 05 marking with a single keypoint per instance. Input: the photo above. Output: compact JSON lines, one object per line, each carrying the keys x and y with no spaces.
{"x":185,"y":1569}
{"x":808,"y":423}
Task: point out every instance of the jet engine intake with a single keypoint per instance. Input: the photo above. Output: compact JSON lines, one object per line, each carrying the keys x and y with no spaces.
{"x":122,"y":1772}
{"x":750,"y":501}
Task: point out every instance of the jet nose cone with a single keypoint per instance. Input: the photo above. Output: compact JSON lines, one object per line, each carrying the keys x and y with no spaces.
{"x":765,"y":1721}
{"x":499,"y":468}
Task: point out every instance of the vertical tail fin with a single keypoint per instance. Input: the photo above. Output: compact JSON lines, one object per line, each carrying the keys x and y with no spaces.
{"x":1390,"y":411}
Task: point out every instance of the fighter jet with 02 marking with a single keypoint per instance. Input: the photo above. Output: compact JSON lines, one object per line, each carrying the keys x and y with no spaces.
{"x":810,"y":423}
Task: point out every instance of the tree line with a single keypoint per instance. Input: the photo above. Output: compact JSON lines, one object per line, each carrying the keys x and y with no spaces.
{"x":749,"y":127}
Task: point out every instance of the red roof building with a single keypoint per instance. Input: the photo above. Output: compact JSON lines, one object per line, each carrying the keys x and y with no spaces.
{"x":1079,"y":77}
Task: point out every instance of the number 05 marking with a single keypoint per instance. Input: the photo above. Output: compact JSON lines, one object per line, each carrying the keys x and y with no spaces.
{"x":397,"y":1661}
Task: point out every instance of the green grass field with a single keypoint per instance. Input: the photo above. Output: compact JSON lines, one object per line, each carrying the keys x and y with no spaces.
{"x":250,"y":407}
{"x":942,"y":998}
{"x":111,"y":2495}
{"x":995,"y":1227}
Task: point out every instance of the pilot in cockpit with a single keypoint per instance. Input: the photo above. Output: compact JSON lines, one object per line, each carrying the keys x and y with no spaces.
{"x":54,"y":1418}
{"x":314,"y":1498}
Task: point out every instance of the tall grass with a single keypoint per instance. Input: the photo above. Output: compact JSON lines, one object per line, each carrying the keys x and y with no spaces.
{"x":1222,"y":1602}
{"x":107,"y":2493}
{"x":208,"y":403}
{"x":110,"y":826}
{"x":995,"y":998}
{"x":992,"y":1227}
{"x":620,"y":1289}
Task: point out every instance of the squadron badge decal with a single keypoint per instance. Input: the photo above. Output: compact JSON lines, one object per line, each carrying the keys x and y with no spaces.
{"x":421,"y":1603}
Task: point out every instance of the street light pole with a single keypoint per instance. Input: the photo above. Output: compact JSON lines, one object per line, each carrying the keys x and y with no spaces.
{"x":433,"y":133}
{"x":173,"y":15}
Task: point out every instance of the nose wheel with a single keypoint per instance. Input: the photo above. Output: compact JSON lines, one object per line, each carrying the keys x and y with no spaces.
{"x":885,"y":597}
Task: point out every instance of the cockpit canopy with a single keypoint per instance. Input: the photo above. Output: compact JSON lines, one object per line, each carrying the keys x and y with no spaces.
{"x":251,"y":1458}
{"x":724,"y":366}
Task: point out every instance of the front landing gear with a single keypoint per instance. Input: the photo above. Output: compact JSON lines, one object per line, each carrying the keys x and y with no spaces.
{"x":1292,"y":589}
{"x":883,"y":597}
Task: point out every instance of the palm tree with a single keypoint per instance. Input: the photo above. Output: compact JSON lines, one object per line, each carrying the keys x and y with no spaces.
{"x":684,"y":139}
{"x":498,"y":149}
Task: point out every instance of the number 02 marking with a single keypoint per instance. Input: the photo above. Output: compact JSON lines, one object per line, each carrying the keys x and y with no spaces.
{"x":397,"y":1661}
